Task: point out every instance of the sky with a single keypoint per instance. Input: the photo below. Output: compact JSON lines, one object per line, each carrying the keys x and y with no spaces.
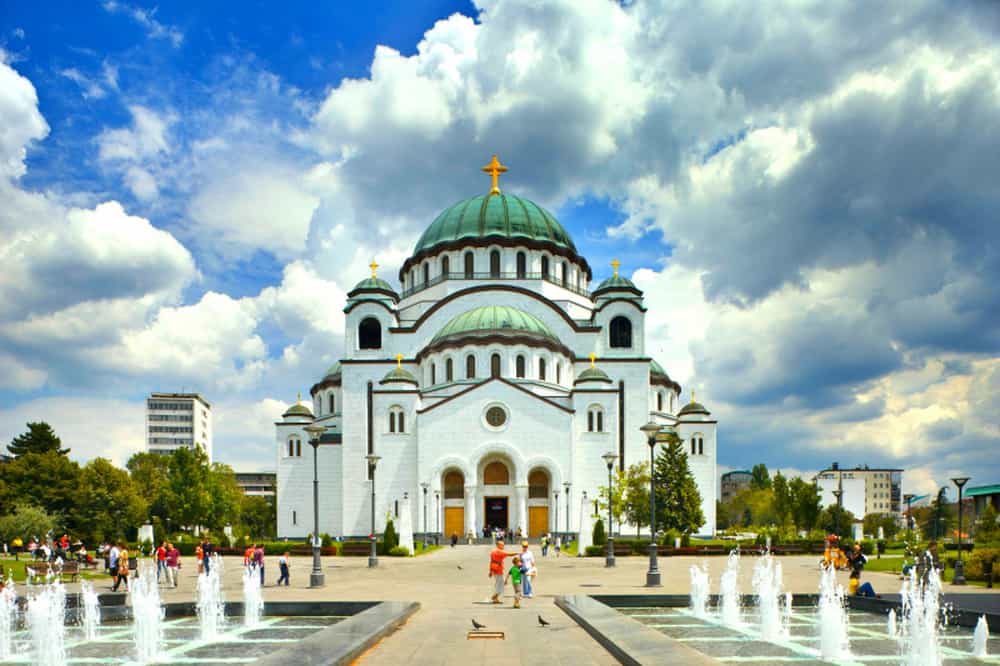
{"x":806,"y":192}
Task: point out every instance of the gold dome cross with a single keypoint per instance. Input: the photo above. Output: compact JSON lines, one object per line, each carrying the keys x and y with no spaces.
{"x":374,"y":267}
{"x":494,"y":168}
{"x":615,"y":264}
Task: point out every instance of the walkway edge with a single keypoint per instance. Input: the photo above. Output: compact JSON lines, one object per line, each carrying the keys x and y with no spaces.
{"x":345,"y":641}
{"x":629,"y":641}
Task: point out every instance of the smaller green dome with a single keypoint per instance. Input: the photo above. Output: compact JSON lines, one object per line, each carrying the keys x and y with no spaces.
{"x":592,"y":374}
{"x":492,"y":319}
{"x":693,"y":408}
{"x":333,"y":372}
{"x":373,"y":284}
{"x":298,"y":409}
{"x":616,"y":282}
{"x":399,"y":374}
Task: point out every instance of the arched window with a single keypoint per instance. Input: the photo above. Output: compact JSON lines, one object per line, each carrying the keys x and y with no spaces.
{"x":332,"y":404}
{"x":595,"y":419}
{"x":470,"y":265}
{"x":519,"y":363}
{"x":621,"y":332}
{"x":694,"y":445}
{"x":522,"y":266}
{"x":291,"y":448}
{"x":495,"y":365}
{"x":444,"y":266}
{"x":558,"y":373}
{"x":496,"y":474}
{"x":671,"y":403}
{"x":541,"y":369}
{"x":545,"y":268}
{"x":565,"y":274}
{"x":397,"y":422}
{"x":495,"y":263}
{"x":427,"y":273}
{"x":449,"y":370}
{"x":392,"y":421}
{"x":370,"y":333}
{"x":470,"y":367}
{"x":538,"y":484}
{"x":433,"y":374}
{"x":659,"y":401}
{"x":701,"y":446}
{"x":579,"y":280}
{"x":454,"y":485}
{"x":298,"y":448}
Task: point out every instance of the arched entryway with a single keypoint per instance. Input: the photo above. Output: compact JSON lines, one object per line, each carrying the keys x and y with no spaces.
{"x":538,"y":502}
{"x":496,"y":484}
{"x":453,"y":487}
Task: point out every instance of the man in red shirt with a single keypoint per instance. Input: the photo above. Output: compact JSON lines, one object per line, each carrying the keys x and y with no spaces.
{"x":497,"y":556}
{"x":161,"y":560}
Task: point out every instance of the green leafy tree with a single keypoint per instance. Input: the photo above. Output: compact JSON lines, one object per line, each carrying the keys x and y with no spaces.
{"x":227,"y":497}
{"x":837,"y":520}
{"x":721,"y":517}
{"x":188,"y":495}
{"x":40,"y":438}
{"x":26,"y":521}
{"x":806,"y":503}
{"x":390,"y":539}
{"x":887,"y":521}
{"x":258,"y":516}
{"x":987,"y":531}
{"x":619,"y":492}
{"x":149,"y":472}
{"x":109,"y":506}
{"x":598,"y":536}
{"x":760,"y":478}
{"x":678,"y":502}
{"x":48,"y":480}
{"x":783,"y":505}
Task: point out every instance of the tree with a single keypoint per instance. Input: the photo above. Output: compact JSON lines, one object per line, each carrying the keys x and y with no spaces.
{"x":110,"y":505}
{"x":188,"y":495}
{"x":837,"y":520}
{"x":678,"y":502}
{"x":598,"y":536}
{"x":806,"y":503}
{"x":636,"y":484}
{"x":258,"y":516}
{"x":940,"y":518}
{"x":986,"y":528}
{"x":49,"y":480}
{"x":760,"y":479}
{"x":26,"y":521}
{"x":782,"y":499}
{"x":887,"y":521}
{"x":40,"y":438}
{"x":618,"y":497}
{"x":149,"y":474}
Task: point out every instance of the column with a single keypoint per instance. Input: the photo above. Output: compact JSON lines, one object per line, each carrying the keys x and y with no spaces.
{"x":470,"y":510}
{"x":522,"y":509}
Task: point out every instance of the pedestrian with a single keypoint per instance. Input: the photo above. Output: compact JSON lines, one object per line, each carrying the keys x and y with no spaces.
{"x":207,"y":548}
{"x":199,"y":554}
{"x":173,"y":564}
{"x":515,"y":578}
{"x":113,"y":556}
{"x":527,"y":568}
{"x":258,"y":560}
{"x":497,"y":556}
{"x":248,"y":555}
{"x":454,"y":539}
{"x":545,"y":545}
{"x":283,"y":568}
{"x":18,"y":547}
{"x":122,"y":568}
{"x":161,"y":560}
{"x":558,"y":545}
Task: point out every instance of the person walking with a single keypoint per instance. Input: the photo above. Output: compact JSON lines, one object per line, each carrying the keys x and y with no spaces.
{"x":258,"y":561}
{"x":161,"y":560}
{"x":199,"y":554}
{"x":558,"y":545}
{"x":527,"y":568}
{"x":283,"y":568}
{"x":18,"y":547}
{"x":207,"y":549}
{"x":515,"y":578}
{"x":122,"y":576}
{"x":113,"y":564}
{"x":497,"y":556}
{"x":173,"y":564}
{"x":545,"y":544}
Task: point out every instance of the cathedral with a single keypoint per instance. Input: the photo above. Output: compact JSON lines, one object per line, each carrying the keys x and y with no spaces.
{"x":488,"y":390}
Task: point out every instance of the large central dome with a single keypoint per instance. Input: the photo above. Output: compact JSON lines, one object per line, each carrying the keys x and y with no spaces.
{"x":494,"y":319}
{"x":501,"y":216}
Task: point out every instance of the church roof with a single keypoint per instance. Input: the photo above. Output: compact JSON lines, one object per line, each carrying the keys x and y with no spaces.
{"x":616,"y":282}
{"x":592,"y":374}
{"x":399,"y":374}
{"x":693,"y":408}
{"x":493,"y":319}
{"x":495,"y":215}
{"x":298,"y":409}
{"x":658,"y":374}
{"x":334,"y":371}
{"x":373,"y":284}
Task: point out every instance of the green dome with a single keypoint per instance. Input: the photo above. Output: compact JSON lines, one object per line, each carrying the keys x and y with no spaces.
{"x":298,"y":409}
{"x":592,"y":374}
{"x":334,"y":371}
{"x":693,"y":408}
{"x":373,"y":284}
{"x":399,"y":374}
{"x":493,"y":318}
{"x":616,"y":282}
{"x":496,"y":215}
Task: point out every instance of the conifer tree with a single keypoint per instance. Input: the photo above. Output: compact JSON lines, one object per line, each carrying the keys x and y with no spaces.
{"x":678,"y":502}
{"x":40,"y":438}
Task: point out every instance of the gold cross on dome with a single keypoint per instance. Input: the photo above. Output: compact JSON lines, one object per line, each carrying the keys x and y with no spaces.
{"x":298,"y":397}
{"x":373,"y":266}
{"x":693,"y":392}
{"x":615,"y":264}
{"x":399,"y":360}
{"x":494,"y":168}
{"x":592,"y":357}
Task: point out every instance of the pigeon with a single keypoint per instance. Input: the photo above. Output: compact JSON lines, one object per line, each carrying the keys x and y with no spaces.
{"x":542,"y":621}
{"x":477,"y":625}
{"x":460,"y":566}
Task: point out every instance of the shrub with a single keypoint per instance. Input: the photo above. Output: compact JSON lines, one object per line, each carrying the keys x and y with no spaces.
{"x":975,"y":565}
{"x":599,"y":537}
{"x":868,"y":547}
{"x":685,"y":540}
{"x":325,"y":540}
{"x":595,"y":551}
{"x":399,"y":551}
{"x":670,"y":537}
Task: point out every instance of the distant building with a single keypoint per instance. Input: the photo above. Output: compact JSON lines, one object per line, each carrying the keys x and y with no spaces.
{"x":983,"y":495}
{"x":257,"y":483}
{"x":178,"y":420}
{"x":866,"y":489}
{"x":733,"y":482}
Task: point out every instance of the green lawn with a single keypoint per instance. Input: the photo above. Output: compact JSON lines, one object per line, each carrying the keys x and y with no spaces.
{"x":17,"y":567}
{"x":895,"y":565}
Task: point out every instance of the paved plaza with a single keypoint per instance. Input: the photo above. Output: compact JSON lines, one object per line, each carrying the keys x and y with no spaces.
{"x":452,"y":587}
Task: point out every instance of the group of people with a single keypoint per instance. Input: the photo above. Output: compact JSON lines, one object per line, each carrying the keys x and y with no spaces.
{"x":50,"y":549}
{"x":253,"y":558}
{"x":521,"y":573}
{"x":168,"y":563}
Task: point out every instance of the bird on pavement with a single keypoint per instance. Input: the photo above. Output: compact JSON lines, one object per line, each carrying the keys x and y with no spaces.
{"x":460,"y":566}
{"x":542,"y":621}
{"x":477,"y":625}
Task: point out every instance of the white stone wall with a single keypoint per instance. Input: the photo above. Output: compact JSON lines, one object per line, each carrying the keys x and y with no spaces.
{"x":703,"y":466}
{"x":295,"y":485}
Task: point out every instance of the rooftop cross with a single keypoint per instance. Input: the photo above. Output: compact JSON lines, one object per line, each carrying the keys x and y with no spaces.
{"x":494,"y":168}
{"x":615,"y":264}
{"x":692,"y":395}
{"x":592,"y":357}
{"x":298,"y":397}
{"x":373,"y":266}
{"x":399,"y":360}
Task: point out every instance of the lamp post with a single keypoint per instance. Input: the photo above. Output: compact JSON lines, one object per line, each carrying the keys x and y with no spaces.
{"x":908,"y":498}
{"x":316,"y":577}
{"x":556,"y":521}
{"x":839,"y":494}
{"x":425,"y":486}
{"x":937,"y":518}
{"x":609,"y":560}
{"x":566,"y":485}
{"x":650,"y":430}
{"x":437,"y":514}
{"x":372,"y":463}
{"x":959,"y":577}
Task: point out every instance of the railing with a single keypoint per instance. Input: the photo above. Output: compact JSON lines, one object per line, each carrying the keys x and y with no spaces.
{"x":441,"y":277}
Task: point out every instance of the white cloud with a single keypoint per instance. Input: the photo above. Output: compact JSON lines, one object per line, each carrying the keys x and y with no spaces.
{"x":146,"y":138}
{"x":89,"y":88}
{"x":17,"y":376}
{"x":20,"y":121}
{"x":145,"y":18}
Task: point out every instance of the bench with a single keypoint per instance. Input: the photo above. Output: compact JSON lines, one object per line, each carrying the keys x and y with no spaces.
{"x":43,"y":569}
{"x":355,"y":549}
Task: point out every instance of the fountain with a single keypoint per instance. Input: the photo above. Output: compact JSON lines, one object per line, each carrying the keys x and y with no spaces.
{"x":211,"y":607}
{"x":980,"y":638}
{"x":788,"y":609}
{"x":46,"y":617}
{"x":921,"y":612}
{"x":767,"y":589}
{"x":8,"y":618}
{"x":833,"y":640}
{"x":729,"y":591}
{"x":147,"y":615}
{"x":891,"y":624}
{"x":253,"y":600}
{"x":90,"y":605}
{"x":699,"y":590}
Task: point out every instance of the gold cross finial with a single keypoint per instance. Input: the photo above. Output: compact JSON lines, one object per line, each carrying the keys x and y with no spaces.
{"x":615,"y":264}
{"x":592,"y":357}
{"x":494,"y":168}
{"x":298,"y":397}
{"x":693,"y":392}
{"x":373,"y":266}
{"x":399,"y":360}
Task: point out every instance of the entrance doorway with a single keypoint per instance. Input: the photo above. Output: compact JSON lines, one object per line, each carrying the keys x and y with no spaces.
{"x":495,"y":514}
{"x":454,"y":521}
{"x":538,"y":520}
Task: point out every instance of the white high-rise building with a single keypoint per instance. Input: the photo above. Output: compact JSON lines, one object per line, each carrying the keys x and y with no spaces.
{"x":176,"y":420}
{"x":865,"y":489}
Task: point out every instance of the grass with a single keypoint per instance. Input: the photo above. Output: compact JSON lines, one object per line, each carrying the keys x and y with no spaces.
{"x":17,"y":567}
{"x":895,"y":565}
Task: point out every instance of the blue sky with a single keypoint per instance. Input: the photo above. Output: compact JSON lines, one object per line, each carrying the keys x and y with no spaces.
{"x":802,"y":193}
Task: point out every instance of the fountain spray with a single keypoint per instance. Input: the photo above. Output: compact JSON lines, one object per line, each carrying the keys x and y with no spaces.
{"x":729,"y":591}
{"x":767,"y":589}
{"x":46,"y":619}
{"x":253,"y":600}
{"x":980,"y":638}
{"x":834,"y":643}
{"x":147,"y":615}
{"x":91,"y":610}
{"x":211,"y":606}
{"x":8,"y":617}
{"x":700,"y":586}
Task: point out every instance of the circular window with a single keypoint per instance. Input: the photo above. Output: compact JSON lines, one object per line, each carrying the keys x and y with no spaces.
{"x":496,"y":416}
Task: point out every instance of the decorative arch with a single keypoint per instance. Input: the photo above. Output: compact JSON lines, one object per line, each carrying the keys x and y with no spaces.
{"x":370,"y":333}
{"x":445,"y":266}
{"x":496,"y":473}
{"x":551,"y":468}
{"x":620,"y":332}
{"x":445,"y":463}
{"x":470,"y":265}
{"x":495,"y":263}
{"x":489,"y":452}
{"x":452,"y":484}
{"x":539,"y":483}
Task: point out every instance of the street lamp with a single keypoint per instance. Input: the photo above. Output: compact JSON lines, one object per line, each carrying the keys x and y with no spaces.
{"x":372,"y":463}
{"x":908,"y":498}
{"x":316,"y":577}
{"x":566,"y":485}
{"x":425,"y":486}
{"x":959,"y":577}
{"x":437,"y":514}
{"x":937,"y":520}
{"x":839,"y":494}
{"x":556,"y":521}
{"x":609,"y":560}
{"x":650,"y":430}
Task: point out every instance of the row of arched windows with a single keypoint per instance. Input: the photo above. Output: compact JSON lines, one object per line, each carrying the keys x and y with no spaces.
{"x":661,"y":403}
{"x":595,"y":419}
{"x":422,"y":276}
{"x":496,"y":368}
{"x":397,"y":420}
{"x":697,"y":446}
{"x":294,"y":447}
